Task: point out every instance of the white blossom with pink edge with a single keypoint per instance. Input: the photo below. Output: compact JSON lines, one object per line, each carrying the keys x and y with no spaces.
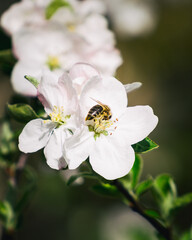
{"x":31,"y":13}
{"x":81,"y":73}
{"x":60,"y":103}
{"x":58,"y":49}
{"x":107,"y":142}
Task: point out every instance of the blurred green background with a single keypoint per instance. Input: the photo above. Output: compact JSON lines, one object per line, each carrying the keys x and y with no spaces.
{"x":162,"y":61}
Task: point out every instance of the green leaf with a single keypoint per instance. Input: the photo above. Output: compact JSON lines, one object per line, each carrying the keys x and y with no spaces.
{"x":145,"y":145}
{"x":73,"y":178}
{"x":136,"y":170}
{"x":22,"y":112}
{"x":7,"y":215}
{"x":130,"y":180}
{"x":54,"y":6}
{"x":8,"y":143}
{"x":152,"y":213}
{"x":183,"y":200}
{"x":7,"y":61}
{"x":144,"y":186}
{"x":187,"y":235}
{"x":165,"y":193}
{"x":106,"y":189}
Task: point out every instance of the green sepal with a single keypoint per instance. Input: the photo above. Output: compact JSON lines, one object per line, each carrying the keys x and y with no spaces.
{"x":32,"y":80}
{"x":21,"y":112}
{"x":73,"y":178}
{"x":144,"y":146}
{"x":144,"y":186}
{"x":54,"y":6}
{"x":106,"y":189}
{"x":7,"y":61}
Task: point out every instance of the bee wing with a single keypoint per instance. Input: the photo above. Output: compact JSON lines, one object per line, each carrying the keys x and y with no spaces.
{"x":97,"y":101}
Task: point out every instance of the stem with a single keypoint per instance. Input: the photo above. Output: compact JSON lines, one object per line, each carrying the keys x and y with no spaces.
{"x":135,"y":206}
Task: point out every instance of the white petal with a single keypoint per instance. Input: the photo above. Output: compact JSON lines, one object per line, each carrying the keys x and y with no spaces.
{"x":19,"y":83}
{"x":54,"y":149}
{"x":78,"y":147}
{"x":105,"y":60}
{"x":110,"y":160}
{"x":135,"y":124}
{"x":132,"y":86}
{"x":109,"y":91}
{"x":35,"y":135}
{"x":57,"y":92}
{"x":80,"y":74}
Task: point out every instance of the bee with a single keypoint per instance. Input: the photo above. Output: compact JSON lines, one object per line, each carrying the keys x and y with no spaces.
{"x":100,"y":110}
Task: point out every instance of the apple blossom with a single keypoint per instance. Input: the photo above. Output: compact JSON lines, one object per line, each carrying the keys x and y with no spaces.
{"x":60,"y":103}
{"x":58,"y":49}
{"x":107,"y":142}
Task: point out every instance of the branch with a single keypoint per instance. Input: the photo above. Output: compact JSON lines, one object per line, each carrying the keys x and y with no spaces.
{"x":135,"y":206}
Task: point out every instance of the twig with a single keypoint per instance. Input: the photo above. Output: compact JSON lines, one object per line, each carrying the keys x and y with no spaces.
{"x":135,"y":206}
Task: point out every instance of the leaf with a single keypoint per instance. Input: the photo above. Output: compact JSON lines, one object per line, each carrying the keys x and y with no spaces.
{"x":7,"y":215}
{"x":145,"y":145}
{"x":130,"y":180}
{"x":183,"y":200}
{"x":8,"y":143}
{"x":165,"y":193}
{"x":106,"y":189}
{"x":136,"y":170}
{"x":54,"y":6}
{"x":144,"y":186}
{"x":73,"y":178}
{"x":22,"y":112}
{"x":187,"y":235}
{"x":7,"y":61}
{"x":152,"y":213}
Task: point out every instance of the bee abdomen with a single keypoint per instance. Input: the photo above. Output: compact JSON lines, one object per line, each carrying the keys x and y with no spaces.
{"x":94,"y":112}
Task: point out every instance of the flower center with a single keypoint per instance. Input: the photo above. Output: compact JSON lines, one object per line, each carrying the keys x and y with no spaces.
{"x":53,"y":62}
{"x":100,"y":126}
{"x":58,"y":116}
{"x":71,"y":27}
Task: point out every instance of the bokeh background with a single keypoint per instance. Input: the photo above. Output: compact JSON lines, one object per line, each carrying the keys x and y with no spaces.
{"x":161,"y":58}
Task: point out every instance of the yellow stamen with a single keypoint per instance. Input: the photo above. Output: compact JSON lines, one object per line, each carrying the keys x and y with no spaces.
{"x":58,"y":115}
{"x":53,"y":62}
{"x":71,"y":27}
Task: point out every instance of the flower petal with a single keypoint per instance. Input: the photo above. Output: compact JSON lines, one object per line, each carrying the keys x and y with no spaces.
{"x":54,"y":149}
{"x":135,"y":124}
{"x":111,"y":160}
{"x":35,"y":135}
{"x":57,"y":92}
{"x":109,"y":91}
{"x":19,"y":83}
{"x":78,"y":147}
{"x":80,"y":74}
{"x":132,"y":86}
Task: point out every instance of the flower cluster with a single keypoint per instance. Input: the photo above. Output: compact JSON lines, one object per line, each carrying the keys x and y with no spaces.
{"x":87,"y":120}
{"x":56,"y":34}
{"x":58,"y":42}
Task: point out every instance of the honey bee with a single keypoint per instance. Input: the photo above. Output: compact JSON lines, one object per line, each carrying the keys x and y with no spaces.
{"x":100,"y":110}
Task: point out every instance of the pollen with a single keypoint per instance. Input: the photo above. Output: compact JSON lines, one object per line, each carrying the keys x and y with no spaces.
{"x":58,"y":115}
{"x":71,"y":27}
{"x":53,"y":62}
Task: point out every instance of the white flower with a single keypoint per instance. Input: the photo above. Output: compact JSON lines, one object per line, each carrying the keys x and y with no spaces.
{"x":60,"y":102}
{"x":107,"y":142}
{"x":31,"y":13}
{"x":132,"y":18}
{"x":81,"y":73}
{"x":58,"y":49}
